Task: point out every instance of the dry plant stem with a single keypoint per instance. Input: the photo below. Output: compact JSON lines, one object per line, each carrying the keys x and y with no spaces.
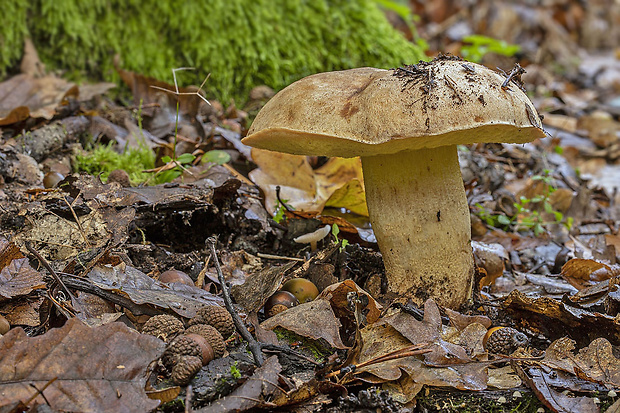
{"x":419,"y":213}
{"x":253,"y":345}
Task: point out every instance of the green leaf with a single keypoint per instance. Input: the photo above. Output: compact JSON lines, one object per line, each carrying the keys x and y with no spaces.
{"x":503,"y":219}
{"x":216,"y":156}
{"x":166,"y":159}
{"x":186,"y":158}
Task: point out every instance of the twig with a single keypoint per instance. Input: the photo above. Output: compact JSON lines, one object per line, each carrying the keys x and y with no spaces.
{"x":253,"y":345}
{"x":77,"y":220}
{"x":49,"y":269}
{"x":278,"y":257}
{"x":413,"y":350}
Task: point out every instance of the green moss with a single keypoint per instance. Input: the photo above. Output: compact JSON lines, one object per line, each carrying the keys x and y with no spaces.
{"x":243,"y":43}
{"x":103,"y":159}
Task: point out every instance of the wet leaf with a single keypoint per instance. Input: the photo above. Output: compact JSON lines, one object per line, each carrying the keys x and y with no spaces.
{"x":96,"y":369}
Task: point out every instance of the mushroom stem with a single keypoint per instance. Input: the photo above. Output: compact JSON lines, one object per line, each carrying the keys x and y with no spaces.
{"x":420,"y":217}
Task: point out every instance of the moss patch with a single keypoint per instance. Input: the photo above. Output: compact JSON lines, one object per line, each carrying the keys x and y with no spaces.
{"x":243,"y":43}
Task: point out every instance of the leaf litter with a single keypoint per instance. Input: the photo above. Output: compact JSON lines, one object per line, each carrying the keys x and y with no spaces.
{"x":544,"y":220}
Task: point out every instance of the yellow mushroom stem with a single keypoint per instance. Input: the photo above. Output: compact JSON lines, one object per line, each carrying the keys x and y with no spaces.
{"x":419,"y":214}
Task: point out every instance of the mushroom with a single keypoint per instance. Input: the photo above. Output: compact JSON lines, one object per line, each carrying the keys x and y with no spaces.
{"x":313,"y":237}
{"x":405,"y":124}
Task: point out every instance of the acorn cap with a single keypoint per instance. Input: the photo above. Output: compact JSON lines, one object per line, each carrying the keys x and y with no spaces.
{"x":211,"y":335}
{"x":164,"y":327}
{"x":180,"y":346}
{"x":217,"y":317}
{"x":185,"y":369}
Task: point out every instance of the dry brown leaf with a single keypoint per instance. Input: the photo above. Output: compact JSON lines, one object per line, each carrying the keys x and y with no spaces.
{"x":17,"y":277}
{"x":596,"y":363}
{"x":315,"y":320}
{"x":337,"y":293}
{"x":460,"y":321}
{"x":429,"y":331}
{"x":97,"y":369}
{"x":581,"y":273}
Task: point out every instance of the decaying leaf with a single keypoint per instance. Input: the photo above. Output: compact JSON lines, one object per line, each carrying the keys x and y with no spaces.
{"x":429,"y":331}
{"x":596,"y":363}
{"x":183,"y":299}
{"x":537,"y":379}
{"x":315,"y":320}
{"x":99,"y":369}
{"x":254,"y":393}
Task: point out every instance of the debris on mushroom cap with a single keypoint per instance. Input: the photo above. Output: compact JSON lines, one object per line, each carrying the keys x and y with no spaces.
{"x":185,"y":369}
{"x":367,"y":111}
{"x":217,"y":317}
{"x":213,"y":337}
{"x":164,"y":327}
{"x":315,"y":236}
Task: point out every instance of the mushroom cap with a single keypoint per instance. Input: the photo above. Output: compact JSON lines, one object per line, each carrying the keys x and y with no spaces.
{"x":368,"y":111}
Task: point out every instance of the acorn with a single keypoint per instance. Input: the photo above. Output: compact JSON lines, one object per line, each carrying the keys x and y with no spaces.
{"x":302,"y":288}
{"x":278,"y":302}
{"x":185,"y":370}
{"x":213,"y":337}
{"x":207,"y":351}
{"x":217,"y":317}
{"x":164,"y":327}
{"x":175,"y":276}
{"x":504,"y":340}
{"x":52,"y":179}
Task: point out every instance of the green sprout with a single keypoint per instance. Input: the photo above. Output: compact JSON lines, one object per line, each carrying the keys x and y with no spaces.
{"x":527,"y":215}
{"x":343,"y":242}
{"x":477,"y":46}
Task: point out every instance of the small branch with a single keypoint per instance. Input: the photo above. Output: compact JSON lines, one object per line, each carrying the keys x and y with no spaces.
{"x":49,"y":269}
{"x":253,"y":345}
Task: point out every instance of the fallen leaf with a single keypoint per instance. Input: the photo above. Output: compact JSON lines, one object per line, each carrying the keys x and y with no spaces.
{"x":183,"y":299}
{"x":17,"y":277}
{"x":315,"y":320}
{"x":596,"y":363}
{"x":96,"y":369}
{"x":253,"y":394}
{"x":429,"y":331}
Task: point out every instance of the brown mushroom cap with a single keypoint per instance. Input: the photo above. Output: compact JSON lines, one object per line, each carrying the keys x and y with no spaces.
{"x":368,"y":111}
